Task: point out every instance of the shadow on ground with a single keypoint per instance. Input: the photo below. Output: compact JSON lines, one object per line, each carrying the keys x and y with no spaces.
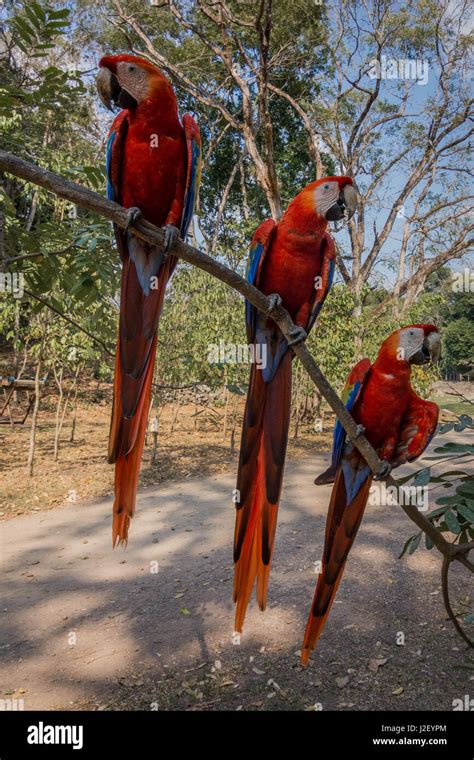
{"x":85,"y":626}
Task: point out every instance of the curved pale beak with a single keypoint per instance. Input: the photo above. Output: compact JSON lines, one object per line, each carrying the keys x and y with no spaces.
{"x":107,"y":87}
{"x":349,"y":197}
{"x":433,"y":345}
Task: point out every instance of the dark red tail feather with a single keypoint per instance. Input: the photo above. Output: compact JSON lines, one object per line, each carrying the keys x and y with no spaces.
{"x":261,"y":465}
{"x":132,"y":394}
{"x":342,"y":524}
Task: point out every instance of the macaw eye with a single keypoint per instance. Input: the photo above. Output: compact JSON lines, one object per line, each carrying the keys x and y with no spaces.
{"x":131,"y":68}
{"x":326,"y":187}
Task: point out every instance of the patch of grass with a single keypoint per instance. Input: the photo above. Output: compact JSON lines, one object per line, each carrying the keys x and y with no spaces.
{"x":457,"y":407}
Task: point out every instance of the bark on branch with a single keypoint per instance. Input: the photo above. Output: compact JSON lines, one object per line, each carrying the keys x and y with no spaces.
{"x":151,"y":234}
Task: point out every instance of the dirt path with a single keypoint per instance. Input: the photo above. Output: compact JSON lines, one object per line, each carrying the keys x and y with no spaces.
{"x":85,"y":626}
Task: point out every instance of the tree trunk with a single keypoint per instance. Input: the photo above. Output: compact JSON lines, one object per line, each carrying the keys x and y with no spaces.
{"x":226,"y":408}
{"x":57,"y":428}
{"x":357,"y":317}
{"x":175,"y":413}
{"x":16,"y":363}
{"x":34,"y":419}
{"x":74,"y":414}
{"x":66,"y":404}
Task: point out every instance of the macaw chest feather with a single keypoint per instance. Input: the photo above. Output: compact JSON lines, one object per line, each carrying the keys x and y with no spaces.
{"x":381,"y":406}
{"x":292,"y":265}
{"x":153,"y":174}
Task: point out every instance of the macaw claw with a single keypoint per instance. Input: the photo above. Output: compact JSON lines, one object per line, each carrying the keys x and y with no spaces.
{"x":133,"y":215}
{"x":171,"y":236}
{"x":384,"y":471}
{"x":359,"y":431}
{"x":297,"y":335}
{"x":275,"y":302}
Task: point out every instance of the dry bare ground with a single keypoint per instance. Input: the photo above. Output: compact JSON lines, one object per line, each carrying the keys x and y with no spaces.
{"x":82,"y":472}
{"x":88,"y":627}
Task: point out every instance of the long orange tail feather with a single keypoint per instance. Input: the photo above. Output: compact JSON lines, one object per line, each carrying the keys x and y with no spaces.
{"x":342,"y":524}
{"x":262,"y":461}
{"x":132,"y":395}
{"x":127,"y":466}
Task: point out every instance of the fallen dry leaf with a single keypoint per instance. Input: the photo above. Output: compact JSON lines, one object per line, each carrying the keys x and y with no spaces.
{"x":377,"y":663}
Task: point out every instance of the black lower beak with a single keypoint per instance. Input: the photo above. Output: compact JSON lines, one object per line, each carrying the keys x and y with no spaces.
{"x":336,"y":212}
{"x":346,"y":205}
{"x":125,"y":100}
{"x":115,"y":89}
{"x":111,"y":93}
{"x":422,"y":356}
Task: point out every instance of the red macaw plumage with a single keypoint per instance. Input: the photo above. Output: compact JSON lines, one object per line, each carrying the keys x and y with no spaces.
{"x":294,"y":259}
{"x":399,"y":425}
{"x":153,"y":166}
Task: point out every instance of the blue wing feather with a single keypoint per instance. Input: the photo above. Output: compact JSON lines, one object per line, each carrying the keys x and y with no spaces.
{"x":108,"y":164}
{"x":339,"y":435}
{"x":355,"y":471}
{"x":194,"y":173}
{"x":350,"y":394}
{"x":255,"y":257}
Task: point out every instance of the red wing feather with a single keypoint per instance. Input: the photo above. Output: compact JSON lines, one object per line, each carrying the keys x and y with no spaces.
{"x":417,"y":428}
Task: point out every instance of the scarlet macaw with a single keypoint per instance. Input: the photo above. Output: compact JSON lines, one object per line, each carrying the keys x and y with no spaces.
{"x":399,"y":425}
{"x":292,"y":260}
{"x":153,"y":168}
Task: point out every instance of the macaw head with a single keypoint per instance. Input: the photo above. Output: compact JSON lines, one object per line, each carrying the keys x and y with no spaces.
{"x":332,"y":198}
{"x":126,"y":81}
{"x":414,"y":344}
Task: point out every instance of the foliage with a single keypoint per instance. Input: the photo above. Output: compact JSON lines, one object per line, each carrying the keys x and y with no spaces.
{"x":455,"y":513}
{"x":65,"y":254}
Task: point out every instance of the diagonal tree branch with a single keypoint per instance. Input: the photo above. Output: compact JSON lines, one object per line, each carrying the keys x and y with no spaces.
{"x":151,"y":234}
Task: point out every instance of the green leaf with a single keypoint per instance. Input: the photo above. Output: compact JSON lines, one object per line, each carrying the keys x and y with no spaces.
{"x":445,"y":428}
{"x":27,"y":33}
{"x":467,"y":513}
{"x":406,"y":478}
{"x":466,"y":489}
{"x":36,"y":7}
{"x":410,"y":544}
{"x":452,"y":473}
{"x":463,"y":423}
{"x":33,"y":17}
{"x":453,"y":500}
{"x":415,"y":544}
{"x":423,"y":477}
{"x":452,"y":522}
{"x":63,"y":13}
{"x":436,"y":513}
{"x":454,"y":447}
